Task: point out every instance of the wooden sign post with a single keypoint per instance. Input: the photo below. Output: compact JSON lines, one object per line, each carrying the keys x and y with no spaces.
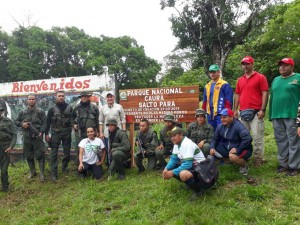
{"x":154,"y":103}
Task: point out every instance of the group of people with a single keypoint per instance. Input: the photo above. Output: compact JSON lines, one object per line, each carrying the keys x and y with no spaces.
{"x":218,"y":131}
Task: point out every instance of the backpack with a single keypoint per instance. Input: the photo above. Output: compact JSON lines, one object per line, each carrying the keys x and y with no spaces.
{"x":207,"y":170}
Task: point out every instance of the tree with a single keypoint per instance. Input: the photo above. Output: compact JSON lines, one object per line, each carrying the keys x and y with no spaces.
{"x":4,"y":39}
{"x":212,"y":28}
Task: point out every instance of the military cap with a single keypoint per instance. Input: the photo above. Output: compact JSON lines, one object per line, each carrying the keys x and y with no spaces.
{"x":112,"y":122}
{"x":200,"y":112}
{"x":177,"y":130}
{"x":2,"y":109}
{"x":85,"y":93}
{"x":169,"y":117}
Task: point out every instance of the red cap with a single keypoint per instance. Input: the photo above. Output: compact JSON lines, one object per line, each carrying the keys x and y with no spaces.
{"x":226,"y":112}
{"x":287,"y":61}
{"x":247,"y":59}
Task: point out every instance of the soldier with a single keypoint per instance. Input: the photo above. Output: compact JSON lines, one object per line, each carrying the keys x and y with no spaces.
{"x":60,"y":122}
{"x":147,"y":141}
{"x":119,"y":148}
{"x":8,"y":138}
{"x":201,"y":132}
{"x":84,"y":115}
{"x":111,"y":110}
{"x":33,"y":122}
{"x":166,"y":145}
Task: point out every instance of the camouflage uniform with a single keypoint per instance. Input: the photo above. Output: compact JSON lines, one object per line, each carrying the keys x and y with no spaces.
{"x":33,"y":145}
{"x":8,"y":138}
{"x":119,"y":149}
{"x":148,"y":142}
{"x":60,"y":122}
{"x":84,"y":115}
{"x":198,"y":133}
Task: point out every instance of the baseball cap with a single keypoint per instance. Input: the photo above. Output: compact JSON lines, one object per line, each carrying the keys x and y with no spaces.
{"x":110,"y":93}
{"x":289,"y":61}
{"x":226,"y":112}
{"x":214,"y":67}
{"x":177,"y":130}
{"x":247,"y":59}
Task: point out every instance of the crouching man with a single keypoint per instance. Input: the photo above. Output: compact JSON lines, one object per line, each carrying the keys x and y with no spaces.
{"x":180,"y":166}
{"x":232,"y":140}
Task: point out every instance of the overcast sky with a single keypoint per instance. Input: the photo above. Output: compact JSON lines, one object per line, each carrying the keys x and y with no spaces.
{"x":140,"y":19}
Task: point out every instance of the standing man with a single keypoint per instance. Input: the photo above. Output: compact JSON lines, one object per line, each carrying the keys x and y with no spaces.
{"x":60,"y":122}
{"x":33,"y":122}
{"x":84,"y":115}
{"x":217,"y":95}
{"x":166,"y":145}
{"x":251,"y":94}
{"x":284,"y":102}
{"x":200,"y":132}
{"x":147,"y":142}
{"x":8,"y":138}
{"x":119,"y":148}
{"x":111,"y":110}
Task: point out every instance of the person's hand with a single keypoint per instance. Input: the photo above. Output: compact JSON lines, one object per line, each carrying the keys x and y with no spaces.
{"x":160,"y":147}
{"x":47,"y":138}
{"x":99,"y":163}
{"x":25,"y":125}
{"x":201,"y":143}
{"x":168,"y":175}
{"x":232,"y":151}
{"x":80,"y":167}
{"x":75,"y":126}
{"x":8,"y":150}
{"x":298,"y":131}
{"x":261,"y":114}
{"x":236,"y":114}
{"x":40,"y":134}
{"x":212,"y":151}
{"x":164,"y":173}
{"x":101,"y":136}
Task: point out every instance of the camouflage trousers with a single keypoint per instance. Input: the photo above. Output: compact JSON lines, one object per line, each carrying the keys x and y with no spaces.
{"x":4,"y":162}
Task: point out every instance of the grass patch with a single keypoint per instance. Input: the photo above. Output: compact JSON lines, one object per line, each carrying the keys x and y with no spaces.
{"x":147,"y":199}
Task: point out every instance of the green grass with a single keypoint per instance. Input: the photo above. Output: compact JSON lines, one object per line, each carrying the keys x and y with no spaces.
{"x":148,"y":199}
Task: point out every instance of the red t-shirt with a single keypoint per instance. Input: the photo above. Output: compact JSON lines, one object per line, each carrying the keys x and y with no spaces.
{"x":250,"y":90}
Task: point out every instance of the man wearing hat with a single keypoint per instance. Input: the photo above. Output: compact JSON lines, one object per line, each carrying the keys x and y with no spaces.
{"x":8,"y":138}
{"x":201,"y":132}
{"x":251,"y":97}
{"x":166,"y":144}
{"x":59,"y":123}
{"x":111,"y":110}
{"x":33,"y":122}
{"x":284,"y":102}
{"x":232,"y":140}
{"x":180,"y":166}
{"x":217,"y":95}
{"x":84,"y":115}
{"x":119,"y":148}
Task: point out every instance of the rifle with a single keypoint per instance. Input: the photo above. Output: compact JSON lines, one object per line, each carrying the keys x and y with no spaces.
{"x":140,"y":146}
{"x":32,"y":130}
{"x":109,"y":156}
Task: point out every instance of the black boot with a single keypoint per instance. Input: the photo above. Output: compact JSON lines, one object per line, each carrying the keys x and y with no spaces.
{"x":195,"y":187}
{"x":42,"y":168}
{"x":32,"y":168}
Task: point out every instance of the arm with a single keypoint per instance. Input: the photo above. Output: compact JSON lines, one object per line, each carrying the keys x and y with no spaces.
{"x":174,"y":160}
{"x":81,"y":151}
{"x":124,"y":145}
{"x":236,"y":105}
{"x":122,"y":118}
{"x":103,"y":155}
{"x":261,"y":113}
{"x":101,"y":122}
{"x":210,"y":135}
{"x":185,"y":165}
{"x":44,"y":122}
{"x":228,"y":96}
{"x":13,"y":133}
{"x":298,"y":120}
{"x":204,"y":100}
{"x":48,"y":120}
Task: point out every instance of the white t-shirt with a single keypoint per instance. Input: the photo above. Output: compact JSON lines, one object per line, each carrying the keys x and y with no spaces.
{"x":188,"y":150}
{"x":91,"y":147}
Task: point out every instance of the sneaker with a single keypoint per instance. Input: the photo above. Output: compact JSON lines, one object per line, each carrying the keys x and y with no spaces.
{"x":244,"y":170}
{"x":281,"y":169}
{"x":292,"y":172}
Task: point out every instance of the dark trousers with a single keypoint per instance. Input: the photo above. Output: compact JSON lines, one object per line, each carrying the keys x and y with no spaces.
{"x":56,"y":139}
{"x":95,"y":169}
{"x":4,"y":162}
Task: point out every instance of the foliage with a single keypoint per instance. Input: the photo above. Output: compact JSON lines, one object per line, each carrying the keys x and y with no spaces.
{"x":32,"y":53}
{"x":278,"y":39}
{"x":148,"y":199}
{"x":214,"y":28}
